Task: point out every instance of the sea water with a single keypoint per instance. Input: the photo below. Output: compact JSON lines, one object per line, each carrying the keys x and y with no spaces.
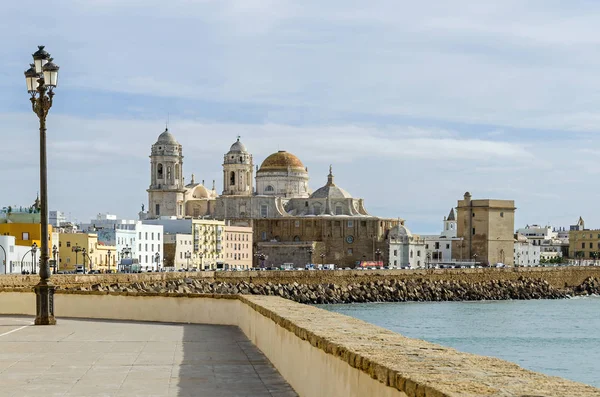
{"x":555,"y":337}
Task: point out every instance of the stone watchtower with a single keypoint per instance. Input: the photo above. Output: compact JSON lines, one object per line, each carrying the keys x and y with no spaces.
{"x":486,"y":229}
{"x":238,"y":173}
{"x":166,"y":191}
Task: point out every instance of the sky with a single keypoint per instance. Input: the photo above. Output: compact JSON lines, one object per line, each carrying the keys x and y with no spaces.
{"x":414,"y":103}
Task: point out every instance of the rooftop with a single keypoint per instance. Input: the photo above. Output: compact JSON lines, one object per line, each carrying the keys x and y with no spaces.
{"x":115,"y":358}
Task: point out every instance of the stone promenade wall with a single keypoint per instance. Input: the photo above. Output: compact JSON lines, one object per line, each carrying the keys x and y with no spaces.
{"x":556,"y":277}
{"x":318,"y":352}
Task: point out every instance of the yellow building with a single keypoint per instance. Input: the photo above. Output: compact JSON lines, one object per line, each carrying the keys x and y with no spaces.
{"x":584,"y":244}
{"x":207,"y":237}
{"x":486,"y":228}
{"x":26,"y":234}
{"x":84,"y":249}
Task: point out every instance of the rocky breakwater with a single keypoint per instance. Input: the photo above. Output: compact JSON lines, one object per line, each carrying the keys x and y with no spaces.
{"x":419,"y":290}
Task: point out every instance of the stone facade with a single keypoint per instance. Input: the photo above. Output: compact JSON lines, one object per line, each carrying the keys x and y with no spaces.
{"x":347,"y":240}
{"x":487,"y":231}
{"x":166,"y":191}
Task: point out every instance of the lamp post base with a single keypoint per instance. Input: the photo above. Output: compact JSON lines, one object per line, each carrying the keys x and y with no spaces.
{"x":44,"y":294}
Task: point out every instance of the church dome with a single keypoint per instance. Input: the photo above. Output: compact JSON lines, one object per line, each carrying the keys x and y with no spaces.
{"x":167,"y":138}
{"x":281,"y":161}
{"x":400,"y":231}
{"x":330,"y":190}
{"x":238,"y":147}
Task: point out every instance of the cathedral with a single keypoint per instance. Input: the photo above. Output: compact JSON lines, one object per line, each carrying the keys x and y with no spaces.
{"x":275,"y":198}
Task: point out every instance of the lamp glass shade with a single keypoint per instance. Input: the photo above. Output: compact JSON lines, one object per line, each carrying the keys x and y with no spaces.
{"x":39,"y":64}
{"x":31,"y":77}
{"x":32,"y":84}
{"x":51,"y":78}
{"x":40,"y":58}
{"x":50,"y":74}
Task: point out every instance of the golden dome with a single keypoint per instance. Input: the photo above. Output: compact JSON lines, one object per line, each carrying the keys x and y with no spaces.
{"x":281,"y":161}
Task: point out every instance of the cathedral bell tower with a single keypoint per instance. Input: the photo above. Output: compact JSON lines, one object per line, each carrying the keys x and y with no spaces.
{"x":166,"y":191}
{"x":238,"y":171}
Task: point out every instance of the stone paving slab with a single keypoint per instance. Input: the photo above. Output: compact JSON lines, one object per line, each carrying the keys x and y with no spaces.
{"x":91,"y":358}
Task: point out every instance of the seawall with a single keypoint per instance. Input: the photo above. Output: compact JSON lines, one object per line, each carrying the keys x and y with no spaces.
{"x":556,"y":277}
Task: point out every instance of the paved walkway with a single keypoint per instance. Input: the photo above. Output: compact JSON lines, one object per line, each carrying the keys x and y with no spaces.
{"x":112,"y":358}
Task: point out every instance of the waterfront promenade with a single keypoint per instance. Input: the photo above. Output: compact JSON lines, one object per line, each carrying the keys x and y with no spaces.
{"x":81,"y":358}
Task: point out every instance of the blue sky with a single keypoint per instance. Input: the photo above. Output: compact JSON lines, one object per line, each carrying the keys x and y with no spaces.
{"x":414,"y":103}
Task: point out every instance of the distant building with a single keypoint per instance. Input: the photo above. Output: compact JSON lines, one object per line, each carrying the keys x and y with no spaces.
{"x":277,"y":196}
{"x":238,"y":247}
{"x":552,"y":243}
{"x":486,"y":228}
{"x":207,"y":236}
{"x":57,"y":218}
{"x":406,"y":249}
{"x":439,"y":246}
{"x":131,"y":239}
{"x":584,"y":244}
{"x":526,"y":253}
{"x":179,"y":252}
{"x":97,"y":256}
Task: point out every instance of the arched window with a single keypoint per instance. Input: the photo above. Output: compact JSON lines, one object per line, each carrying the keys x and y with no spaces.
{"x":232,"y":178}
{"x":159,"y":171}
{"x":297,"y":238}
{"x":269,"y":188}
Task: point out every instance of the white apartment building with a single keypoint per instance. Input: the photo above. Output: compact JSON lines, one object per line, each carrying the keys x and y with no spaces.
{"x":552,"y":242}
{"x":438,"y":247}
{"x":525,"y":252}
{"x":57,"y":218}
{"x":14,"y":258}
{"x":406,"y":249}
{"x":132,"y":239}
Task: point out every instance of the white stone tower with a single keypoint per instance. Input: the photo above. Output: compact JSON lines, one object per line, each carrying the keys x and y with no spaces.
{"x":166,"y":192}
{"x":450,"y":224}
{"x":238,"y":171}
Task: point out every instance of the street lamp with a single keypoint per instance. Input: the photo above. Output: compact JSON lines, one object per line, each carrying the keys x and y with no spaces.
{"x":188,"y":256}
{"x":34,"y":248}
{"x":428,"y":256}
{"x":157,"y":260}
{"x":108,"y":260}
{"x":323,"y":255}
{"x":377,"y":255}
{"x":77,"y":249}
{"x":311,"y":250}
{"x":54,"y":255}
{"x":84,"y":252}
{"x":5,"y":260}
{"x":41,"y":79}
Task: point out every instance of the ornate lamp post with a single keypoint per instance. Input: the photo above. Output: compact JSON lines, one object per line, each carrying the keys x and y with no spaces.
{"x":77,"y":249}
{"x":377,"y":255}
{"x":54,"y":255}
{"x":108,"y":260}
{"x":42,"y":78}
{"x":157,"y":260}
{"x":188,"y":256}
{"x":311,"y":250}
{"x":5,"y":260}
{"x":323,"y":258}
{"x":428,"y":260}
{"x":84,"y":252}
{"x":34,"y":248}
